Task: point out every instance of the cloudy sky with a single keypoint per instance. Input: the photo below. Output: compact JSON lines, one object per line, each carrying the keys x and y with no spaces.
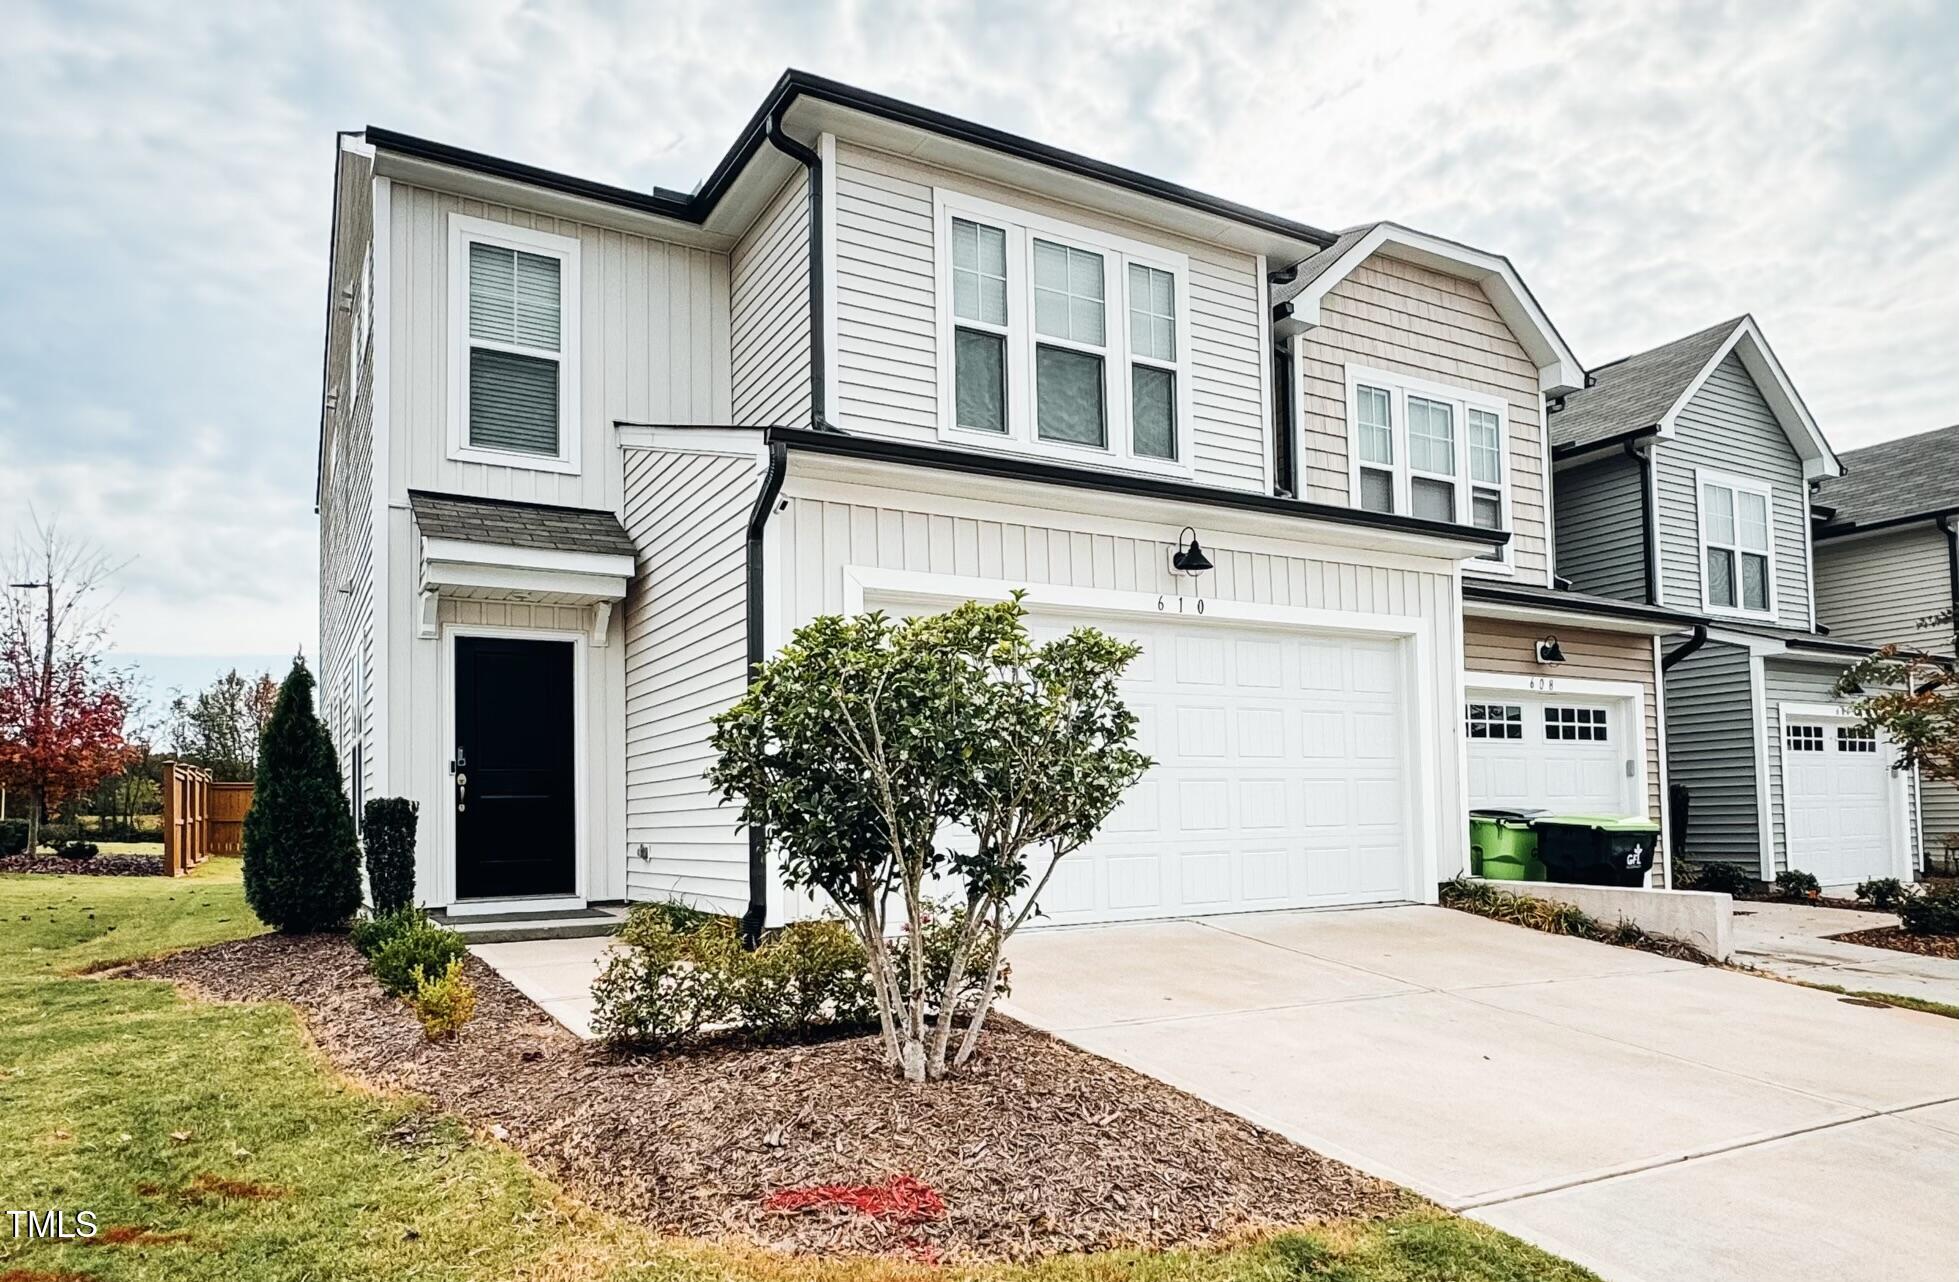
{"x":1650,"y":167}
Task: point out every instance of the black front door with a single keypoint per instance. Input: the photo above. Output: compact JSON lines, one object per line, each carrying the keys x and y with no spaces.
{"x":516,"y":817}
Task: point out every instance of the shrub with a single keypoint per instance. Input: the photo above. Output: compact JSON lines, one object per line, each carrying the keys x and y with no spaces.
{"x":1936,"y":912}
{"x":55,"y":836}
{"x":944,"y":925}
{"x":375,"y":931}
{"x":445,"y":1003}
{"x":423,"y":946}
{"x":78,"y":850}
{"x":1882,"y":892}
{"x":652,"y":994}
{"x":1792,"y":883}
{"x":1718,"y":876}
{"x":388,"y":838}
{"x":679,"y":917}
{"x":302,"y":862}
{"x":806,"y":976}
{"x":13,"y":837}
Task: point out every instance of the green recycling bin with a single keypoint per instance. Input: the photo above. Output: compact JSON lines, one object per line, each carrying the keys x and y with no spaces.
{"x":1596,"y":850}
{"x":1503,"y":846}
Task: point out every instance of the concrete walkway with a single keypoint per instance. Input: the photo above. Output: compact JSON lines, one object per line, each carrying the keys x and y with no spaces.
{"x":1650,"y":1119}
{"x":1791,"y":940}
{"x":557,"y":974}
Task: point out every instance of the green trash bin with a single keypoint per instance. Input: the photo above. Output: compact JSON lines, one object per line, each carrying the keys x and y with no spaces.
{"x":1503,"y":846}
{"x":1596,"y":850}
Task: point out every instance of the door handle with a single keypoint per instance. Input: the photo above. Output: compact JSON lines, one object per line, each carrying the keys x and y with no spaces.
{"x":459,"y":768}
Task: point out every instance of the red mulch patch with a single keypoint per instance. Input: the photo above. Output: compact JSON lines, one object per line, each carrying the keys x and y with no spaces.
{"x":1895,"y":938}
{"x":95,"y":866}
{"x":1038,"y":1148}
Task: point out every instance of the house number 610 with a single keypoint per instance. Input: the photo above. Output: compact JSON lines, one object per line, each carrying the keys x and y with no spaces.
{"x":1162,"y":604}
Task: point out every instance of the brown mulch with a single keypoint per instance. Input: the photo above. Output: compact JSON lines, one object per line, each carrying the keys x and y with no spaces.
{"x":94,"y":866}
{"x":1038,"y":1147}
{"x":1895,"y":938}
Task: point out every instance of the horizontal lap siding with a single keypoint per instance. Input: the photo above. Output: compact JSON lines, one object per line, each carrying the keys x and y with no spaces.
{"x":1880,"y":589}
{"x":886,"y":307}
{"x":1788,"y":685}
{"x":1409,"y":320}
{"x":769,"y":313}
{"x":653,"y":347}
{"x":1503,"y":646}
{"x":1728,"y":427}
{"x":1938,"y":815}
{"x":1601,"y":528}
{"x":1711,"y":751}
{"x":686,"y":659}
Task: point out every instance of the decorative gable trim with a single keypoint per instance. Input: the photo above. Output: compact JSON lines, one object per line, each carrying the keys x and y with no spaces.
{"x":1747,"y":343}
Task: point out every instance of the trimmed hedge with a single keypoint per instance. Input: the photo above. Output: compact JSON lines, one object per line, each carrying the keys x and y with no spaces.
{"x":388,"y":833}
{"x":13,"y":837}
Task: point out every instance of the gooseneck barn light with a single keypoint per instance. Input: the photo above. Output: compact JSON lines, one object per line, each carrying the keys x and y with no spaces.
{"x":1189,"y":558}
{"x":1549,"y":651}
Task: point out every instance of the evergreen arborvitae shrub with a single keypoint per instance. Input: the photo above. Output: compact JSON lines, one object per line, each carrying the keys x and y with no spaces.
{"x":302,"y":861}
{"x":389,"y":837}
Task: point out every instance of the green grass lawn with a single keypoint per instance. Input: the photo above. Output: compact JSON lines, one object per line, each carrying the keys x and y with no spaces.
{"x":213,"y":1143}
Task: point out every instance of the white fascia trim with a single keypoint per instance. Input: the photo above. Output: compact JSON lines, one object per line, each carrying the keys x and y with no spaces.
{"x":442,"y":576}
{"x":1558,"y":370}
{"x":1817,"y":712}
{"x":1819,"y":460}
{"x":461,"y":551}
{"x":743,"y":441}
{"x":381,"y":478}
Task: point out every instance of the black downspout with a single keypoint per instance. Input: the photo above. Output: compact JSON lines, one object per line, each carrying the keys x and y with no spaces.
{"x":1650,"y":568}
{"x":1692,"y":644}
{"x":811,"y":161}
{"x":757,"y":915}
{"x":1952,"y":571}
{"x":1285,"y":466}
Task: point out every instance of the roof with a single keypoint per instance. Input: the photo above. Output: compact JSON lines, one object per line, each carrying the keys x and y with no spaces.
{"x":1523,"y":594}
{"x":1630,"y":396}
{"x":1910,"y":478}
{"x":504,"y":523}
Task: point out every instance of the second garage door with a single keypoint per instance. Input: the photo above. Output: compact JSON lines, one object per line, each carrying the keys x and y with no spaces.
{"x":1279,"y":780}
{"x":1564,"y":755}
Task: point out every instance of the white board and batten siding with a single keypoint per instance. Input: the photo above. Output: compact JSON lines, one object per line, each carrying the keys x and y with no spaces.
{"x":885,"y":300}
{"x":1396,"y":316}
{"x":1728,"y":427}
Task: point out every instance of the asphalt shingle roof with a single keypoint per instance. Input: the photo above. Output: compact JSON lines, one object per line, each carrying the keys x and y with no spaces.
{"x":1313,"y":268}
{"x":1635,"y":392}
{"x":503,"y":523}
{"x":1911,"y":476}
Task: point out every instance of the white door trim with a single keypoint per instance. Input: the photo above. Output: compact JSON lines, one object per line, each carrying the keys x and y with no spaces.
{"x":445,"y":752}
{"x":1420,"y":744}
{"x":1897,"y":813}
{"x":1629,"y":696}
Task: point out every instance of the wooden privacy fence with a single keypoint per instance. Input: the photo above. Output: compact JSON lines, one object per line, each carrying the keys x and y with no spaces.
{"x":200,"y":818}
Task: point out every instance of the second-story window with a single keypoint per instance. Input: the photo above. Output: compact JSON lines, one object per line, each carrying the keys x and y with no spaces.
{"x":1071,"y":320}
{"x":1153,"y":361}
{"x":1738,"y":558}
{"x":979,"y":305}
{"x":514,"y":294}
{"x":1426,"y":450}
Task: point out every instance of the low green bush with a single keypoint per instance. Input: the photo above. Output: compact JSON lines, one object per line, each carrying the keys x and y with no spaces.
{"x":443,"y":1002}
{"x":1936,"y":912}
{"x":1882,"y":892}
{"x":661,"y":987}
{"x":372,"y":932}
{"x":1792,"y":883}
{"x":1718,"y":876}
{"x":78,"y":850}
{"x":942,"y":927}
{"x":423,"y":946}
{"x":13,"y":837}
{"x":55,"y":836}
{"x":808,"y":975}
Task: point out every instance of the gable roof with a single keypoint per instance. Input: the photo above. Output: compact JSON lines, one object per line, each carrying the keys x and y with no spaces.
{"x":1296,"y":304}
{"x":504,"y":523}
{"x":1911,"y":477}
{"x":1643,"y":395}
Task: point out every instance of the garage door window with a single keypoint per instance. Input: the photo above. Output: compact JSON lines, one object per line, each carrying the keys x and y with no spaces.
{"x":1495,"y":721}
{"x":1805,"y":738}
{"x":1856,"y":739}
{"x":1581,"y":725}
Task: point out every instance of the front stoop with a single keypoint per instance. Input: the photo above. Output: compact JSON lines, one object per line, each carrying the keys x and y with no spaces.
{"x":515,"y":927}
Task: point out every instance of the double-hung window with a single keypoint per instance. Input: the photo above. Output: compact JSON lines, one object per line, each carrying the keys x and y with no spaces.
{"x":1064,"y":341}
{"x":1737,"y":545}
{"x":514,"y":366}
{"x":1425,"y":450}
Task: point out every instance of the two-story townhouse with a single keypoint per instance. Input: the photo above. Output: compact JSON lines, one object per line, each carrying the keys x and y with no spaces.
{"x":587,"y":454}
{"x":1887,"y":568}
{"x":1684,"y":478}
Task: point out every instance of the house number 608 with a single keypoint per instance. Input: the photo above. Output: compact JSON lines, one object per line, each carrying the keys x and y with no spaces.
{"x":1162,"y":604}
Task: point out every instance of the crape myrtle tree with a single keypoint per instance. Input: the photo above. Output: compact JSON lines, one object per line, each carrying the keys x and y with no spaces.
{"x":301,"y":857}
{"x":882,"y":755}
{"x":1913,"y":698}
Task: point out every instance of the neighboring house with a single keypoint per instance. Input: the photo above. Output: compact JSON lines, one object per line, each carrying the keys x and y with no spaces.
{"x":1684,"y":480}
{"x":1887,"y":565}
{"x":588,"y":453}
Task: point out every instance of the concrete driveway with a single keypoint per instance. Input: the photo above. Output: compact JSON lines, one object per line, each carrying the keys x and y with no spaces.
{"x":1650,"y":1119}
{"x":1793,"y":940}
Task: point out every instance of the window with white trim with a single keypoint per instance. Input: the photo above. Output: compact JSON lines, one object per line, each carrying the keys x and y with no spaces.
{"x":1737,"y":550}
{"x":1803,"y":738}
{"x":514,"y":351}
{"x":1856,"y":739}
{"x":1575,"y":724}
{"x":1424,"y":450}
{"x":1065,"y":341}
{"x":1495,"y":721}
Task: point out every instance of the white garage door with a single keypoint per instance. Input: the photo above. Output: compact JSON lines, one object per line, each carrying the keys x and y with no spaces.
{"x":1836,"y":801}
{"x":1560,"y":754}
{"x":1279,"y":780}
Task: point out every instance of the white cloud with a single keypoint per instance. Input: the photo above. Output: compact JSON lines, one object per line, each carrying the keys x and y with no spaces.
{"x":1650,"y":168}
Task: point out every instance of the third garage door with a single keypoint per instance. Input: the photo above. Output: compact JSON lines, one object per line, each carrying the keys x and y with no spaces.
{"x":1565,"y":755}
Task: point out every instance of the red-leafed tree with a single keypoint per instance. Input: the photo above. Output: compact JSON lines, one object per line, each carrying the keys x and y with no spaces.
{"x":62,"y":709}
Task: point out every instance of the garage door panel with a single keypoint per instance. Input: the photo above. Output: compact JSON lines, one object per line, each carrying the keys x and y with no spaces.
{"x":1266,"y":879}
{"x":1201,"y":731}
{"x":1206,"y":879}
{"x":1836,"y":802}
{"x":1203,"y":805}
{"x":1135,"y":881}
{"x":1260,"y":664}
{"x":1200,"y":660}
{"x":1262,"y":805}
{"x":1517,"y":765}
{"x":1261,"y":732}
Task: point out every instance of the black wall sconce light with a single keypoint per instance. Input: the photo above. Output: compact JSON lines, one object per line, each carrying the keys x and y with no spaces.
{"x":1189,"y":557}
{"x":1549,"y":651}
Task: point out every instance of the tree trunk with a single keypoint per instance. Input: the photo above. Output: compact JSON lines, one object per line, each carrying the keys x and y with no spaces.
{"x":971,"y":1041}
{"x":35,"y":804}
{"x":962,"y":956}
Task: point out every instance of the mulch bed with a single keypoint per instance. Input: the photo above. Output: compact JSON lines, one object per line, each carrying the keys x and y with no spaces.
{"x":1037,"y":1148}
{"x":96,"y":866}
{"x":1897,"y":940}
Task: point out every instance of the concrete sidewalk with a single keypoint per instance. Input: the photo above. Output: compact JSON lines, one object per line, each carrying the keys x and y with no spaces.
{"x":1647,"y":1118}
{"x":1791,"y":940}
{"x":557,"y":974}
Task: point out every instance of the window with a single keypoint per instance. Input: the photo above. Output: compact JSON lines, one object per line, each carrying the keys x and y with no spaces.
{"x":514,"y":355}
{"x":1805,"y":738}
{"x":979,"y":305}
{"x":1065,"y":341}
{"x":1579,"y":725}
{"x":1420,"y":449}
{"x":1856,"y":739}
{"x":1737,"y":557}
{"x":1495,"y":721}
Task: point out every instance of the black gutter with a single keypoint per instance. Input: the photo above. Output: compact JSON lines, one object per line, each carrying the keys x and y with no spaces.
{"x":1693,"y":643}
{"x":757,"y":915}
{"x":1285,"y":465}
{"x":1952,"y":571}
{"x":1601,"y":607}
{"x":660,"y":204}
{"x":1836,"y":529}
{"x":1574,"y":449}
{"x":1016,"y":468}
{"x":813,"y":165}
{"x":1648,"y":545}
